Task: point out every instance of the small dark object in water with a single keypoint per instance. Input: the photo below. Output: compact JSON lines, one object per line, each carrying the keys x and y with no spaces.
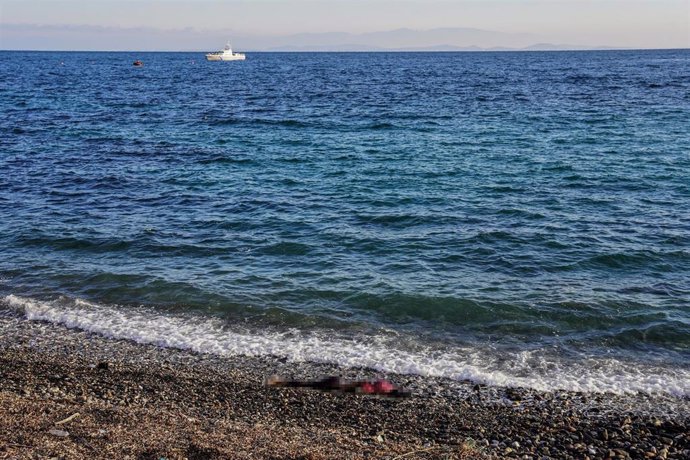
{"x":138,"y":63}
{"x":378,"y":387}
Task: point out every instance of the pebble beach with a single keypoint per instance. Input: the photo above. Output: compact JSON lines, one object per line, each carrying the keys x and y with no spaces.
{"x":70,"y":394}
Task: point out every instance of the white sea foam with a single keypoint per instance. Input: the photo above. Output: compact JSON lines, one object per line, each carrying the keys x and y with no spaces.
{"x":534,"y":369}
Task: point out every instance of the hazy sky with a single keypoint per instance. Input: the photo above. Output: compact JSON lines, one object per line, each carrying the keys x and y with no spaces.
{"x":629,"y":23}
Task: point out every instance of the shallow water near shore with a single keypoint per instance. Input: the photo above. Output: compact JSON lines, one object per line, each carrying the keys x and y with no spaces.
{"x":511,"y":218}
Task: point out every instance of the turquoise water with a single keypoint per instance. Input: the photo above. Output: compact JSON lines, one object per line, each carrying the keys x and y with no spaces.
{"x":519,"y":218}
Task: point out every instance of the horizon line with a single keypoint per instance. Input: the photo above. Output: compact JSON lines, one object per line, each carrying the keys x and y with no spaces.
{"x":478,"y":50}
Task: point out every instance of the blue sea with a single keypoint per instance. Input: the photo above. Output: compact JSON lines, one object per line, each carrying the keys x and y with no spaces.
{"x":510,"y":218}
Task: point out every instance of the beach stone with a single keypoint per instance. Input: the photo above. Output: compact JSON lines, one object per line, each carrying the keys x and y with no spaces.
{"x":59,"y":433}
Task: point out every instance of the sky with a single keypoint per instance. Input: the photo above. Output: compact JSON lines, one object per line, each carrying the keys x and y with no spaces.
{"x":199,"y":24}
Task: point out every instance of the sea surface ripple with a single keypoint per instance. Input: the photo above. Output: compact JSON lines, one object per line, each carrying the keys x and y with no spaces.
{"x":514,"y":218}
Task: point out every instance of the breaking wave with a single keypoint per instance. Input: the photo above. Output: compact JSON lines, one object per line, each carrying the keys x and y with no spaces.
{"x":386,"y":351}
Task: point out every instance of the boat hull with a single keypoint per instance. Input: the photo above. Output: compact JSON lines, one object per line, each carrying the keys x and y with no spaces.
{"x":218,"y":57}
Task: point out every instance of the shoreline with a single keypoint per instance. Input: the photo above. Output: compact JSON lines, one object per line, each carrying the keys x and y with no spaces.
{"x":142,"y":401}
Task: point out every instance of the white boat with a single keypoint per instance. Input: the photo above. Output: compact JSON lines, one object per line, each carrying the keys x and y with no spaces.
{"x":225,"y":55}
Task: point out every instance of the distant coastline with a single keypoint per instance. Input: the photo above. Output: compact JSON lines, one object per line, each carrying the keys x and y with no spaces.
{"x":381,"y":51}
{"x":458,"y":39}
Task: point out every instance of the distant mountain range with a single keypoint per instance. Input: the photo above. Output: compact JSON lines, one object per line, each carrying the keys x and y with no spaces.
{"x":88,"y":38}
{"x":446,"y":39}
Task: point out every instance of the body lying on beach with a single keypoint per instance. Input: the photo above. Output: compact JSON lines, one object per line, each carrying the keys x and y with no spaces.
{"x":377,"y":387}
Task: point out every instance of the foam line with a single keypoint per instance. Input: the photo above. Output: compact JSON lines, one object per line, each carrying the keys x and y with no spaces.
{"x":533,"y":369}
